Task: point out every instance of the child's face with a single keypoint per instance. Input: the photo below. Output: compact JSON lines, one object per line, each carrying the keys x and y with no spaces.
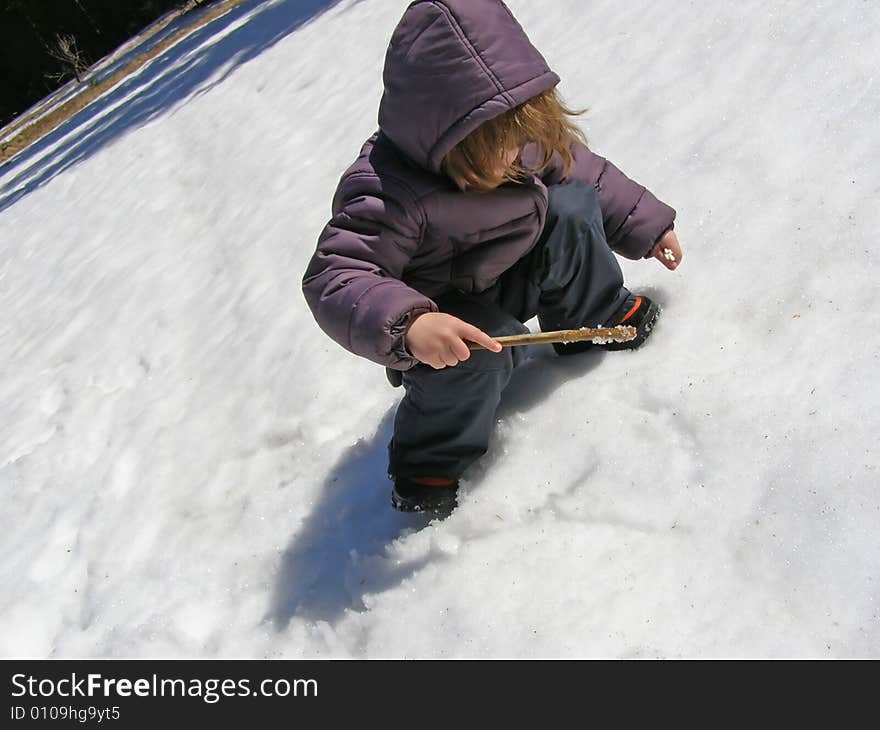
{"x":510,"y":156}
{"x":485,"y":179}
{"x":506,"y":161}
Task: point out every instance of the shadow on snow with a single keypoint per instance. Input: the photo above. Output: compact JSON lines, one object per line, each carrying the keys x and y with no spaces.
{"x":340,"y":554}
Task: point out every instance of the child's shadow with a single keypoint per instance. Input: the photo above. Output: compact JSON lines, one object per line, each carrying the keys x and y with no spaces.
{"x":318,"y":576}
{"x":322,"y":573}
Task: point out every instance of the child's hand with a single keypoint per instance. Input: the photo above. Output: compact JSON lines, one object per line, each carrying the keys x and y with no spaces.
{"x":439,"y":340}
{"x":669,"y":241}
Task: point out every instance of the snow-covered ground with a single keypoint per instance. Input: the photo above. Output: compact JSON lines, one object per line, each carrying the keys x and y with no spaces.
{"x":189,"y":467}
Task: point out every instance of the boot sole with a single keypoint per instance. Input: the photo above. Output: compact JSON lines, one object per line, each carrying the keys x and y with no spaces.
{"x":406,"y":505}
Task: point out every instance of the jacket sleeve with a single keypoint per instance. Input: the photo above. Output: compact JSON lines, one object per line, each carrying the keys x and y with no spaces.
{"x":353,"y":282}
{"x":633,"y":218}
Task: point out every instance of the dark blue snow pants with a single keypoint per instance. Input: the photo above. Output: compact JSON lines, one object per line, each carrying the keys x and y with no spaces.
{"x":570,"y":279}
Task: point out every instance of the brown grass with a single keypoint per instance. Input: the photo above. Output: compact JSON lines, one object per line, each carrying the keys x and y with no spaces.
{"x":91,"y":91}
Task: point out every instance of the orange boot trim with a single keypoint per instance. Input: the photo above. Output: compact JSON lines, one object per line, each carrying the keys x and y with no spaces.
{"x":631,"y":311}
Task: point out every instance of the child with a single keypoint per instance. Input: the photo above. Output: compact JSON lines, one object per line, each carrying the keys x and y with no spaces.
{"x":475,"y":207}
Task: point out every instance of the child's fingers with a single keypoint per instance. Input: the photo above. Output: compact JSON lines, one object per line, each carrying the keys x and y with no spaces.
{"x":671,"y":242}
{"x":667,"y":256}
{"x":449,"y":355}
{"x":459,"y":349}
{"x":474,"y":334}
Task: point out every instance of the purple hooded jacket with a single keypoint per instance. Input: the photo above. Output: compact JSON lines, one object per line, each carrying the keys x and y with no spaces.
{"x":402,"y":232}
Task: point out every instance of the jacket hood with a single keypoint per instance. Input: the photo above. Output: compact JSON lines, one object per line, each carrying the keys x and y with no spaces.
{"x":450,"y":66}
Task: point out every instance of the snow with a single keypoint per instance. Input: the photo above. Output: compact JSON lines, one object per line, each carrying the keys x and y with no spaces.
{"x":191,"y":468}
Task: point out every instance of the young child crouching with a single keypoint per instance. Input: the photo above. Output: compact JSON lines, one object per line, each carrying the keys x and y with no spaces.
{"x":475,"y":207}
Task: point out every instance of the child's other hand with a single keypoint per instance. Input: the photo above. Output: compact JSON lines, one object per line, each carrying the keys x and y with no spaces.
{"x":670,"y":241}
{"x":439,"y":340}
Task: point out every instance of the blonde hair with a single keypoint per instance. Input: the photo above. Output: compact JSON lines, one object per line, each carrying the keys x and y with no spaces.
{"x":478,"y":161}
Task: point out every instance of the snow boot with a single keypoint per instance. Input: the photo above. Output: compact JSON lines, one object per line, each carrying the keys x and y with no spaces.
{"x":637,"y":311}
{"x":425,"y":494}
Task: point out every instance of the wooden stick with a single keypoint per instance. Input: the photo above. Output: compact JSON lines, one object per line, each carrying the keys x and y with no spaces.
{"x":600,"y":335}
